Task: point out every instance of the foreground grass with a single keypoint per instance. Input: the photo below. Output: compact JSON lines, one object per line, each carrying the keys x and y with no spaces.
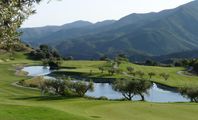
{"x":16,"y":112}
{"x":24,"y":104}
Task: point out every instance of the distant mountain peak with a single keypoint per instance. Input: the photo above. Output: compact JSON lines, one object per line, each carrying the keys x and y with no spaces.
{"x":145,"y":34}
{"x":77,"y":24}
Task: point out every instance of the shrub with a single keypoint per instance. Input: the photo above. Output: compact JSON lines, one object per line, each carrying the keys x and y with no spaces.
{"x":102,"y":98}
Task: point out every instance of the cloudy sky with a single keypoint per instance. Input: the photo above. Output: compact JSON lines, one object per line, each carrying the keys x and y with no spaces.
{"x":66,"y":11}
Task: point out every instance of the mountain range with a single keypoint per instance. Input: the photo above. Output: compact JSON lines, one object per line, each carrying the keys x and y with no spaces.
{"x":136,"y":35}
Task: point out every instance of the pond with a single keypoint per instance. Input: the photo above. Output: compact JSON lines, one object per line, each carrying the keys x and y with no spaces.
{"x":156,"y":93}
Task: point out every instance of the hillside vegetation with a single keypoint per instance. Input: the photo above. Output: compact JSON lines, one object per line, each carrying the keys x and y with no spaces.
{"x":166,"y":32}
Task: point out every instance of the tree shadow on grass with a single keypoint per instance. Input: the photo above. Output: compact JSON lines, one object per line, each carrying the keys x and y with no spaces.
{"x":47,"y":98}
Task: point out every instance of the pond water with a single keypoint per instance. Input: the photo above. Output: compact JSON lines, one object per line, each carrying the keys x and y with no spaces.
{"x":156,"y":93}
{"x":37,"y":70}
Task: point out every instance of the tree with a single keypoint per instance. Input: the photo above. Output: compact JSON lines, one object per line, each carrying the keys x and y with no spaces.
{"x":62,"y":87}
{"x":131,"y":87}
{"x":12,"y":15}
{"x":56,"y":86}
{"x":82,"y":87}
{"x":195,"y":66}
{"x":54,"y":63}
{"x":151,"y":63}
{"x":130,"y":69}
{"x":190,"y":92}
{"x":120,"y":59}
{"x":111,"y":71}
{"x":151,"y":74}
{"x":133,"y":73}
{"x":165,"y":76}
{"x":101,"y":68}
{"x":104,"y":58}
{"x":140,"y":73}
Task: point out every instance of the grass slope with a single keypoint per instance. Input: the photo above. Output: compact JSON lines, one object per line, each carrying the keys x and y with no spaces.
{"x":175,"y":80}
{"x":22,"y":104}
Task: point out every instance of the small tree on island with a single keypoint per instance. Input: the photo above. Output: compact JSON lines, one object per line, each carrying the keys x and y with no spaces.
{"x":130,"y":69}
{"x":140,"y":73}
{"x":101,"y":68}
{"x":112,"y":71}
{"x":134,"y":74}
{"x":165,"y":76}
{"x":151,"y":74}
{"x":131,"y":87}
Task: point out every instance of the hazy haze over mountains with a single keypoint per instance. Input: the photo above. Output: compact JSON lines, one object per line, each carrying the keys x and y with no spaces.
{"x":151,"y":34}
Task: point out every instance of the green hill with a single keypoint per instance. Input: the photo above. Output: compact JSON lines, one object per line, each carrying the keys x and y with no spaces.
{"x":137,"y":35}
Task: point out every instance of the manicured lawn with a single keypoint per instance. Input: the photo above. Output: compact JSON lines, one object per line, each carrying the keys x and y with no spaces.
{"x":16,"y":112}
{"x":24,"y":104}
{"x":175,"y":80}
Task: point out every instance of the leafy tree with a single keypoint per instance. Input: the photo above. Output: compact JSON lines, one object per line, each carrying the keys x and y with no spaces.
{"x":104,"y":58}
{"x":165,"y":76}
{"x":140,"y":73}
{"x":120,"y":58}
{"x":130,"y":69}
{"x":151,"y":63}
{"x":195,"y":66}
{"x":12,"y":15}
{"x":56,"y":86}
{"x":54,"y":63}
{"x":112,"y":71}
{"x":101,"y":68}
{"x":131,"y":87}
{"x":44,"y":48}
{"x":190,"y":92}
{"x":69,"y":58}
{"x":82,"y":87}
{"x":151,"y":74}
{"x":133,"y":73}
{"x":118,"y":70}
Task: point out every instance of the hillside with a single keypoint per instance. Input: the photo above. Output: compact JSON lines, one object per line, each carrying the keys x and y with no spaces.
{"x":137,"y":35}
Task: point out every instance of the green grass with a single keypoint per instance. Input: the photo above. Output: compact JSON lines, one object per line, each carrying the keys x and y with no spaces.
{"x":175,"y":80}
{"x":24,"y":104}
{"x":16,"y":112}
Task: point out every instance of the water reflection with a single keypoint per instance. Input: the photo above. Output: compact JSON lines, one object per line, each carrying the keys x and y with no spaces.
{"x":156,"y":94}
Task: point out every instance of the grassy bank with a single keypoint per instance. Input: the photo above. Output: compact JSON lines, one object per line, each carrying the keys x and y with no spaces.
{"x":90,"y":69}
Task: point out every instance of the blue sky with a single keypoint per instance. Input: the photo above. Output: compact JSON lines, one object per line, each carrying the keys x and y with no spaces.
{"x":66,"y":11}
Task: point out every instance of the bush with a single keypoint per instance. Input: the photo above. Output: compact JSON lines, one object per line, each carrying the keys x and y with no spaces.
{"x":102,"y":98}
{"x":34,"y":82}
